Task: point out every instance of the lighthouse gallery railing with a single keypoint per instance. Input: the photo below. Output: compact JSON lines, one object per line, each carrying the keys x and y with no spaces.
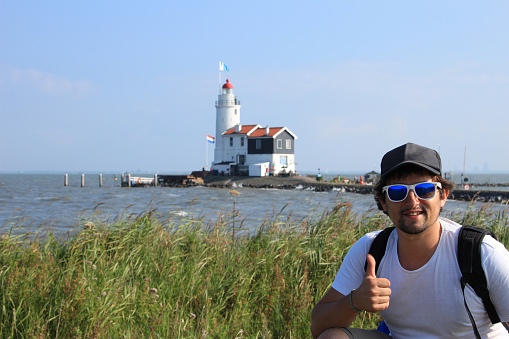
{"x":227,"y":102}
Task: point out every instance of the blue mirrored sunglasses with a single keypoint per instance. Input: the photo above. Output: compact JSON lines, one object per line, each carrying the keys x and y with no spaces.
{"x":423,"y":190}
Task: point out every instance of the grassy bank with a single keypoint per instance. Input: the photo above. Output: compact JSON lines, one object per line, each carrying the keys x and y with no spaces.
{"x":147,"y":276}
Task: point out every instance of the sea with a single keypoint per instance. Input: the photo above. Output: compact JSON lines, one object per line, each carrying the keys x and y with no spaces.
{"x":30,"y":203}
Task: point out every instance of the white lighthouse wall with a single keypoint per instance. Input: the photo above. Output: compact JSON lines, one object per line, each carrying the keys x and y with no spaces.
{"x":227,"y":116}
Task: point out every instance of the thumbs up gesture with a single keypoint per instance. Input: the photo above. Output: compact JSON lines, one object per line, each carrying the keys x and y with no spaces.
{"x":373,"y":293}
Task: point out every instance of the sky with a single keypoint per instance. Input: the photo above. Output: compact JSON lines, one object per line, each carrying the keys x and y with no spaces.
{"x":131,"y":85}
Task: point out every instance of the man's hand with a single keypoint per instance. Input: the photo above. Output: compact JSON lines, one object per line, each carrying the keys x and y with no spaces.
{"x":373,"y":293}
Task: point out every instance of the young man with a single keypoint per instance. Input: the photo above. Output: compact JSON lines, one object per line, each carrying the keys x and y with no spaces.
{"x":417,"y":287}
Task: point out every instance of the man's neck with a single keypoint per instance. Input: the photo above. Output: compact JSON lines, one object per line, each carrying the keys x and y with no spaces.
{"x":415,"y":250}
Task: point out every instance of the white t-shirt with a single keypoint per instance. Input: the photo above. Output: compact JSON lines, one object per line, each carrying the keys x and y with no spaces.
{"x":428,"y":302}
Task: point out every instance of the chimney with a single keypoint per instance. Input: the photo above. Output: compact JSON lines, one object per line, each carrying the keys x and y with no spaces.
{"x":267,"y":129}
{"x":238,"y":128}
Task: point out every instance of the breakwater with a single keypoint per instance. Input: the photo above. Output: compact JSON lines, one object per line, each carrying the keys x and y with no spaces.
{"x":310,"y":184}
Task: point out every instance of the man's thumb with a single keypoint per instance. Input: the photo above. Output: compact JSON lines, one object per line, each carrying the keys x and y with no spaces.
{"x":370,"y":270}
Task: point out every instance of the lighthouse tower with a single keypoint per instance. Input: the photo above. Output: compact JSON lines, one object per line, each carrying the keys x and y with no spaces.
{"x":227,"y":116}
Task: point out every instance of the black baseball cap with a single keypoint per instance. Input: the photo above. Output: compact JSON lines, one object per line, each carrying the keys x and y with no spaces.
{"x":410,"y":153}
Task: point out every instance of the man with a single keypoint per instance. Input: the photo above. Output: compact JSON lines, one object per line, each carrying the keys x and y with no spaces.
{"x":417,"y":287}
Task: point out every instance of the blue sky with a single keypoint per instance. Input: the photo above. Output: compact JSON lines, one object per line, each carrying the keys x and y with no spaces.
{"x":115,"y":86}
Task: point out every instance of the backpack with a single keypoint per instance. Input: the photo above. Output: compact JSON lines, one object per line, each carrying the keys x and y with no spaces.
{"x":469,"y":260}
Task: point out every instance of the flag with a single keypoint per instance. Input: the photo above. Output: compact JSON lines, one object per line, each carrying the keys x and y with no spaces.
{"x":223,"y":67}
{"x":210,"y":139}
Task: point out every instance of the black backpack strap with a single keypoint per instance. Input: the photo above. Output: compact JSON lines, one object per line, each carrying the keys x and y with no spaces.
{"x":476,"y":332}
{"x":469,"y":259}
{"x":377,"y":249}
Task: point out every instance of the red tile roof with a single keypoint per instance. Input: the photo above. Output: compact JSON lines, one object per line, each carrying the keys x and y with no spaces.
{"x":257,"y":131}
{"x":245,"y":129}
{"x":260,"y":132}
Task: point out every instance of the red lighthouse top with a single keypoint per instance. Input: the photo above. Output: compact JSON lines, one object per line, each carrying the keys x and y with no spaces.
{"x":227,"y":85}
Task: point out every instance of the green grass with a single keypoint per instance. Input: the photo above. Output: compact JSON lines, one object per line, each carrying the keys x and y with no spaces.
{"x":150,"y":276}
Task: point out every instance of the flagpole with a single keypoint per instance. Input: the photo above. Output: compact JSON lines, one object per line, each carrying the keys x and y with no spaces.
{"x":206,"y":153}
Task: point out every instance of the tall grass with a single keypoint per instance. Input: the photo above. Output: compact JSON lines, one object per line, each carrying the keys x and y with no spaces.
{"x":150,"y":276}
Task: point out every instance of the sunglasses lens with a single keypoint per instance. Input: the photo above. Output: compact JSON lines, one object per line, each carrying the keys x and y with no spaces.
{"x":425,"y":190}
{"x":397,"y":193}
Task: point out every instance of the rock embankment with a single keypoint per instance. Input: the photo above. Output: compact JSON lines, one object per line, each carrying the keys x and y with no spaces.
{"x":309,"y":183}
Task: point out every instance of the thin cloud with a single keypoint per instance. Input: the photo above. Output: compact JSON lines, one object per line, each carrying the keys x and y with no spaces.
{"x":49,"y":84}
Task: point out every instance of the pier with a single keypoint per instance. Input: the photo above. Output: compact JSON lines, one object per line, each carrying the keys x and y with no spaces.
{"x":473,"y":194}
{"x":162,"y":180}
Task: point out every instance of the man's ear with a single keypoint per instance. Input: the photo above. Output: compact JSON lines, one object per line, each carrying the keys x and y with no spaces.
{"x":381,"y":200}
{"x":443,"y":197}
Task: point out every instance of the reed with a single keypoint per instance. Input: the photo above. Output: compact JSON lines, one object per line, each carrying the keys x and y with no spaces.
{"x":150,"y":275}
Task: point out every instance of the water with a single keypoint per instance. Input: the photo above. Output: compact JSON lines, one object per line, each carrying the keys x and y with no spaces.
{"x":46,"y":202}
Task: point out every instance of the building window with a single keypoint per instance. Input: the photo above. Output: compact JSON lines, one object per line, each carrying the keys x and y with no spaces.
{"x":258,"y":144}
{"x":283,"y":160}
{"x":288,"y":144}
{"x":279,"y":144}
{"x":242,"y":141}
{"x":231,"y":142}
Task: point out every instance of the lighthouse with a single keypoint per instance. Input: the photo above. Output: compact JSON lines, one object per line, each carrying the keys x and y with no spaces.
{"x":227,"y":116}
{"x":249,"y":149}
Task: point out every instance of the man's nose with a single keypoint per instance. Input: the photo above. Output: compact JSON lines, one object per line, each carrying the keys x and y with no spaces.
{"x":412,"y":197}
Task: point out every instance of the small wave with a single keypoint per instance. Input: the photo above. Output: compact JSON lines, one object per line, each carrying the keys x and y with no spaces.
{"x":181,"y":213}
{"x":338,"y":189}
{"x":64,"y":198}
{"x":299,"y":187}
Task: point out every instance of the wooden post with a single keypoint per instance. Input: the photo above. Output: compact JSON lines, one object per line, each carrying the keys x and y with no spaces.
{"x":155,"y":180}
{"x":100,"y":180}
{"x":66,"y":180}
{"x":83,"y":180}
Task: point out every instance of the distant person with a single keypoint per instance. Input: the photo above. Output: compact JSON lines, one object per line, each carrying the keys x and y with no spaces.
{"x":416,"y":288}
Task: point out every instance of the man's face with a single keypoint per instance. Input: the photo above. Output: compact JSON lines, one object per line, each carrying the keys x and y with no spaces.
{"x":414,"y":215}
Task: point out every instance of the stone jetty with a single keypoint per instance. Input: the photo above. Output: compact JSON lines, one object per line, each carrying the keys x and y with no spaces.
{"x":310,"y":183}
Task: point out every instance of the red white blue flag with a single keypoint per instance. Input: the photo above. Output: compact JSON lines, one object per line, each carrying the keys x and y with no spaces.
{"x":210,"y":139}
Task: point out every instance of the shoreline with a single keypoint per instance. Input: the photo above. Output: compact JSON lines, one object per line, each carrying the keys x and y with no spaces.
{"x":311,"y":183}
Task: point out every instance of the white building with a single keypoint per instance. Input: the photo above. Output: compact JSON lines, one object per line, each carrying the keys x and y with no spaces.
{"x":249,"y":149}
